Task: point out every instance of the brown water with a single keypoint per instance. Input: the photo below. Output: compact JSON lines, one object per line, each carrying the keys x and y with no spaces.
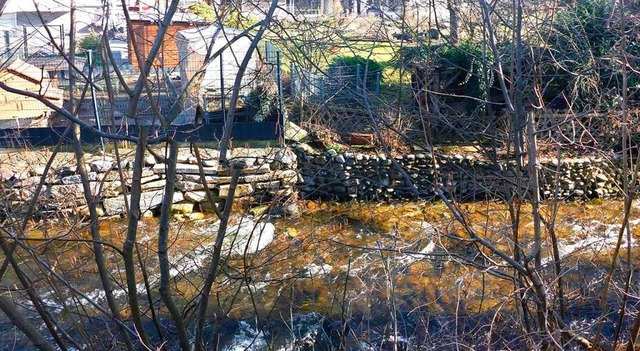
{"x":363,"y":263}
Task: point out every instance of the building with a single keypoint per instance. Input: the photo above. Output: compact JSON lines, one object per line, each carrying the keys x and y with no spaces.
{"x":145,"y":25}
{"x":25,"y":32}
{"x":218,"y":79}
{"x":18,"y":111}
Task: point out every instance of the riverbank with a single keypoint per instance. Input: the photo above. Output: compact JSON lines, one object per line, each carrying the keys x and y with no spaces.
{"x":267,"y":174}
{"x":281,"y":173}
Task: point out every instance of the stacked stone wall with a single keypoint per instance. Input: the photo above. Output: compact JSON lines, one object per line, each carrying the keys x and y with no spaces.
{"x":263,"y":178}
{"x":344,"y":176}
{"x":330,"y":174}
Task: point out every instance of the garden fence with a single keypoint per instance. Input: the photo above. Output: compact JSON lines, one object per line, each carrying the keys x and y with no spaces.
{"x":341,"y":85}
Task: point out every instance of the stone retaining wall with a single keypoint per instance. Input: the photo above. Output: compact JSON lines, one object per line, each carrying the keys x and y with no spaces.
{"x":345,"y":176}
{"x":331,"y":175}
{"x":263,"y":178}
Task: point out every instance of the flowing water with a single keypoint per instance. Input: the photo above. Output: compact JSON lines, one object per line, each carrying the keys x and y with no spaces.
{"x":356,"y":276}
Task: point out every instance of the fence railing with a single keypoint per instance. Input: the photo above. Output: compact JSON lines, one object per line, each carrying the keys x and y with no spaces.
{"x":342,"y":85}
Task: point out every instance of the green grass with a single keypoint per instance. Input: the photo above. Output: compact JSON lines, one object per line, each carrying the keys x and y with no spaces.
{"x":382,"y":52}
{"x":395,"y":82}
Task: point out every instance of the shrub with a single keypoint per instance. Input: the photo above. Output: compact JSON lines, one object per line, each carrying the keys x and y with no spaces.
{"x":90,"y":42}
{"x":583,"y":39}
{"x":203,"y":10}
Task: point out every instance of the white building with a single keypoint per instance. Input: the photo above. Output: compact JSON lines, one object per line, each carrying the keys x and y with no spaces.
{"x":220,"y":73}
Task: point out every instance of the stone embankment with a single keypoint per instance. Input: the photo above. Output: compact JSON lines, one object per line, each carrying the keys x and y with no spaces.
{"x":366,"y":177}
{"x":271,"y":173}
{"x":266,"y":174}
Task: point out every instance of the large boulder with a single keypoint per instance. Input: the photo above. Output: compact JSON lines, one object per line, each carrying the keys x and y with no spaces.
{"x":148,"y":200}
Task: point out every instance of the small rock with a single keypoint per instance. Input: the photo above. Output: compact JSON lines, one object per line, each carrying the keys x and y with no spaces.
{"x":124,"y":164}
{"x":272,"y":185}
{"x":195,"y":196}
{"x":188,"y":186}
{"x":157,"y":184}
{"x":84,"y":211}
{"x":292,"y":210}
{"x":196,"y":216}
{"x":38,"y":170}
{"x":285,"y":157}
{"x":210,"y":163}
{"x":75,"y":179}
{"x":258,"y":210}
{"x":184,"y":208}
{"x":601,"y":177}
{"x":5,"y":174}
{"x":150,"y":160}
{"x":241,"y":190}
{"x":183,"y":157}
{"x":101,"y":166}
{"x":294,"y":132}
{"x":291,"y":232}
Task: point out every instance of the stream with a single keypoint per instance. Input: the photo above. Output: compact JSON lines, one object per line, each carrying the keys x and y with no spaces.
{"x":351,"y":276}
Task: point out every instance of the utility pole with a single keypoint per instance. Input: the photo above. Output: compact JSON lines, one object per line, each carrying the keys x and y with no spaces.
{"x":72,"y":63}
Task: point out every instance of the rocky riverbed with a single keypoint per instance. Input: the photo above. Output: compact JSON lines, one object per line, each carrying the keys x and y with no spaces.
{"x":343,"y":274}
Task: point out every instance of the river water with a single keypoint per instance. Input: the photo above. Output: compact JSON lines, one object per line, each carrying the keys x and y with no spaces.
{"x":352,"y":276}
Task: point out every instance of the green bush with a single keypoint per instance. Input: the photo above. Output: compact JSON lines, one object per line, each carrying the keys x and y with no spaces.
{"x":583,"y":40}
{"x":90,"y":42}
{"x":462,"y":67}
{"x":203,"y":10}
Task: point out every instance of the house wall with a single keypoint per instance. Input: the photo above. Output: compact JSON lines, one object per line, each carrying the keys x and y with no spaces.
{"x":145,"y":33}
{"x":17,"y":110}
{"x":220,"y":72}
{"x":20,"y":111}
{"x":222,"y":69}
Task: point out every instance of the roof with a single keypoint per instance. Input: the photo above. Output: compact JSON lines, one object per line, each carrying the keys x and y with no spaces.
{"x":16,"y":6}
{"x":21,"y":75}
{"x":54,"y":62}
{"x":199,"y":38}
{"x":25,"y":70}
{"x":179,"y":16}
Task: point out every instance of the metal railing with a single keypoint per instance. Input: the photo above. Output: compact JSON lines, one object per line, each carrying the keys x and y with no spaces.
{"x":341,"y":85}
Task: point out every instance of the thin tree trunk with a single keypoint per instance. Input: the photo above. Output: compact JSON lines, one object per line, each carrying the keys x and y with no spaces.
{"x":229,"y":120}
{"x":452,"y":7}
{"x":130,"y":241}
{"x":72,"y":63}
{"x":163,"y":249}
{"x":98,"y":252}
{"x":8,"y":307}
{"x":33,"y":294}
{"x":215,"y":261}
